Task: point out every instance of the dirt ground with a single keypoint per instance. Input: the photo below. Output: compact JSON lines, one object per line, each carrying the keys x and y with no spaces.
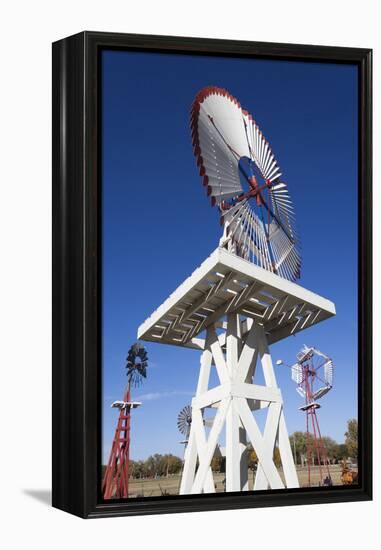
{"x":170,"y":485}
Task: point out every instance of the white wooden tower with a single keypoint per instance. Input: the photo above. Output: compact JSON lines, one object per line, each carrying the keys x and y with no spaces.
{"x":232,"y":311}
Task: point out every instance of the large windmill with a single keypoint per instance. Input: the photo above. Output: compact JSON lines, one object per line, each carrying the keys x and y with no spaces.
{"x":238,"y":301}
{"x":244,"y":180}
{"x":115,"y":480}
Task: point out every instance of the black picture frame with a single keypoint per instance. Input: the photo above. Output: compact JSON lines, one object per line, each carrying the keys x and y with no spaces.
{"x":77,"y":274}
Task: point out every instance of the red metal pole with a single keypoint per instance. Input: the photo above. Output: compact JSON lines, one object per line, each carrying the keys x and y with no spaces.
{"x":115,"y":482}
{"x":324,"y":449}
{"x":316,"y":442}
{"x":308,"y":448}
{"x":308,"y":436}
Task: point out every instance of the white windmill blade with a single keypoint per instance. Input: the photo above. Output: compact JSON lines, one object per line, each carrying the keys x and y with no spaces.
{"x":223,"y":140}
{"x":327,"y":366}
{"x":279,"y":187}
{"x":297,"y":373}
{"x":228,"y":216}
{"x":328,"y":372}
{"x":247,"y":232}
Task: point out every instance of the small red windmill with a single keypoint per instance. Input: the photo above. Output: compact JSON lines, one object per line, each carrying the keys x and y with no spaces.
{"x":115,"y":481}
{"x":314,"y":367}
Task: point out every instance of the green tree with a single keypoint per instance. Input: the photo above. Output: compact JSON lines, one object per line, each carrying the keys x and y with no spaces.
{"x":173,"y":464}
{"x":158,"y":465}
{"x":351,"y":438}
{"x":252,"y":459}
{"x":216,"y":464}
{"x":341,"y":452}
{"x":137,"y":469}
{"x":154,"y":465}
{"x":298,"y":442}
{"x":276,"y":458}
{"x":331,"y":447}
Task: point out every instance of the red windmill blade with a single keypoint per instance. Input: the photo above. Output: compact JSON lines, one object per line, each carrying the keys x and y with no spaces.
{"x":243,"y":179}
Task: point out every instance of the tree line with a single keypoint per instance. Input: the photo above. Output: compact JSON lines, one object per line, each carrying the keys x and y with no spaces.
{"x":336,"y":452}
{"x":158,"y":465}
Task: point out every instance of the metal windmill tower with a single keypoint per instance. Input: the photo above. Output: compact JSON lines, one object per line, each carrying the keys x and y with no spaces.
{"x":314,"y":367}
{"x":115,"y":481}
{"x":238,"y":301}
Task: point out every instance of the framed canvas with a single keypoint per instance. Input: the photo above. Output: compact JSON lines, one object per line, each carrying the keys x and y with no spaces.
{"x":212,"y":325}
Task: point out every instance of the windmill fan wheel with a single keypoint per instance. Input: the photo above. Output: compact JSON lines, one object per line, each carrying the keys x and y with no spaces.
{"x":184,"y":420}
{"x":137,"y":362}
{"x":243,"y":179}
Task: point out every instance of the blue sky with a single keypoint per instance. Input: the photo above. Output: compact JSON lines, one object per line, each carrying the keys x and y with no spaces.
{"x":158,"y":225}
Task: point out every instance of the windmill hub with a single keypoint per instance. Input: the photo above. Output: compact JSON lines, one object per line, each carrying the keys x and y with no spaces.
{"x":248,"y":179}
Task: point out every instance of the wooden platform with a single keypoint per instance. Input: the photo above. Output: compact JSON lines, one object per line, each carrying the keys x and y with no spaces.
{"x":225,"y":283}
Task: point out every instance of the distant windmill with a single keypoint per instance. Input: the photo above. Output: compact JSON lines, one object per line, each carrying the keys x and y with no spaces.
{"x":184,"y":421}
{"x":115,"y":481}
{"x":313,"y":374}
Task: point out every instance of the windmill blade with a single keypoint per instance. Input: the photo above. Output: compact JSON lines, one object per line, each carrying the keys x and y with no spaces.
{"x":297,"y":373}
{"x":328,"y":372}
{"x":327,"y":366}
{"x":218,"y":146}
{"x":242,"y":178}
